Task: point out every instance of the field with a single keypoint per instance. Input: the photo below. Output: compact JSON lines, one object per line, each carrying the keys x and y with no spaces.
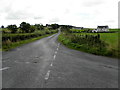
{"x":110,"y":38}
{"x":105,"y":44}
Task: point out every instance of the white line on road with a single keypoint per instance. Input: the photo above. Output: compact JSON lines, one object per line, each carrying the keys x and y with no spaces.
{"x":47,"y":75}
{"x":57,"y":48}
{"x":27,"y":62}
{"x":55,"y":52}
{"x":16,"y":62}
{"x":4,"y":68}
{"x":51,"y":64}
{"x":50,"y":36}
{"x":54,"y":56}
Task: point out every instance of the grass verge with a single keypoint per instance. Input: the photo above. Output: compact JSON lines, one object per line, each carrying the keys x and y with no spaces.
{"x":19,"y":43}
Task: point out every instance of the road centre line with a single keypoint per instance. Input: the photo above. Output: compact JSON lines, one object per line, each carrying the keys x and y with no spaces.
{"x":4,"y":68}
{"x":54,"y":56}
{"x":47,"y":75}
{"x":51,"y":64}
{"x":57,"y":49}
{"x":27,"y":62}
{"x":55,"y":52}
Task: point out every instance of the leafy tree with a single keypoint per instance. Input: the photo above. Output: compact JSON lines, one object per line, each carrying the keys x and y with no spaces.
{"x":47,"y":25}
{"x":32,"y":29}
{"x":12,"y":28}
{"x":65,"y":28}
{"x":2,"y":26}
{"x":25,"y":27}
{"x":54,"y":26}
{"x":39,"y":27}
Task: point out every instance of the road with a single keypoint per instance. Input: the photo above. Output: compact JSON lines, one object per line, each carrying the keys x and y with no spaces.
{"x":46,"y":63}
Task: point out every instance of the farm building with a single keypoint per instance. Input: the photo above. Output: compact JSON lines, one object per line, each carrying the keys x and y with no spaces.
{"x":101,"y":29}
{"x":77,"y":28}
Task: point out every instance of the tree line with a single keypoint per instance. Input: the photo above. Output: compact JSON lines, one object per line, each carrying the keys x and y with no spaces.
{"x":25,"y":27}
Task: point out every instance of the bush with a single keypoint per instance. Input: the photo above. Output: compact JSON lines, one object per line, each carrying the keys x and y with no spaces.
{"x":12,"y":28}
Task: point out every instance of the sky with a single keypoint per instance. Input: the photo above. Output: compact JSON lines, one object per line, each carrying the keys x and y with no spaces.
{"x":81,"y":13}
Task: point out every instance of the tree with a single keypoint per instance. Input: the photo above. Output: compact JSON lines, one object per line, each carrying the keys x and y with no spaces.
{"x":25,"y":27}
{"x":32,"y":29}
{"x":12,"y":28}
{"x":39,"y":27}
{"x":54,"y":26}
{"x":65,"y":28}
{"x":2,"y":26}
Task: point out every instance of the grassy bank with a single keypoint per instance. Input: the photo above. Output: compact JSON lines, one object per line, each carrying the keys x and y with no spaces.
{"x":12,"y":45}
{"x":105,"y":44}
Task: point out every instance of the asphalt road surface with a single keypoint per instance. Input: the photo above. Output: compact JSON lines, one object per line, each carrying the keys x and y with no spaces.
{"x":46,"y":63}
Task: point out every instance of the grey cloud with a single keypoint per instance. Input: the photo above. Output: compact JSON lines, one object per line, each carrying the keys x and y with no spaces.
{"x":38,"y":17}
{"x":18,"y":15}
{"x":93,"y":3}
{"x":67,"y":11}
{"x":54,"y":20}
{"x":5,"y":6}
{"x":110,"y":21}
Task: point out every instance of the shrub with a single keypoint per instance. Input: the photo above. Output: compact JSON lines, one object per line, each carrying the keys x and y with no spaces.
{"x":12,"y":28}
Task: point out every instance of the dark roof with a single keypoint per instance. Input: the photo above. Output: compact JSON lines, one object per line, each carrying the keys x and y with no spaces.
{"x":102,"y":26}
{"x":77,"y":27}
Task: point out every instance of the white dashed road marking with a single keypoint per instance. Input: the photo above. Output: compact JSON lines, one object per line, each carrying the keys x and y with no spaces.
{"x":27,"y":62}
{"x":54,"y":56}
{"x":47,"y":75}
{"x":4,"y":68}
{"x":55,"y":52}
{"x":51,"y":64}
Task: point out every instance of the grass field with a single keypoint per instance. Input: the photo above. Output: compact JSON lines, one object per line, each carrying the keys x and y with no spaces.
{"x":110,"y":38}
{"x":114,"y":30}
{"x":81,"y":41}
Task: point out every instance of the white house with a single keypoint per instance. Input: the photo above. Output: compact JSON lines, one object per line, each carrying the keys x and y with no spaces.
{"x":101,"y":29}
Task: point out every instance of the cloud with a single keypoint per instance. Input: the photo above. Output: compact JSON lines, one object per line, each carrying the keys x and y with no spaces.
{"x":86,"y":13}
{"x":54,"y":20}
{"x":110,"y":21}
{"x":92,"y":3}
{"x":37,"y":17}
{"x":18,"y":15}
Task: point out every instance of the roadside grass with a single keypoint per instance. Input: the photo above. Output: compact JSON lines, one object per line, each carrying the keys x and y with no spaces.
{"x":12,"y":40}
{"x":12,"y":45}
{"x":0,"y":41}
{"x":109,"y":39}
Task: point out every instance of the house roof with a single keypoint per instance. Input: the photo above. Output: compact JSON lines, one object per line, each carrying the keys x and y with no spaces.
{"x":77,"y":27}
{"x":102,"y":26}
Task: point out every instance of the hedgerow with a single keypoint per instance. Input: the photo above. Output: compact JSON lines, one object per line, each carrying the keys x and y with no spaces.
{"x":87,"y":43}
{"x":9,"y":38}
